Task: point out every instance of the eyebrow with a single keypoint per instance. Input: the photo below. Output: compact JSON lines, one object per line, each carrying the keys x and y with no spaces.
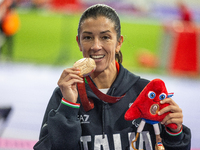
{"x":87,"y":32}
{"x":105,"y":31}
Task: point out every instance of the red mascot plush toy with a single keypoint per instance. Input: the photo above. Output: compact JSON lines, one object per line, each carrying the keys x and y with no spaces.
{"x":146,"y":106}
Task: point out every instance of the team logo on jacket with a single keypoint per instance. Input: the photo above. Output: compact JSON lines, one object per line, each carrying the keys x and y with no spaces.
{"x":84,"y":118}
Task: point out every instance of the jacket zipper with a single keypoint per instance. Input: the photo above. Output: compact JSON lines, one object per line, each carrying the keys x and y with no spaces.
{"x":103,"y":120}
{"x":103,"y":115}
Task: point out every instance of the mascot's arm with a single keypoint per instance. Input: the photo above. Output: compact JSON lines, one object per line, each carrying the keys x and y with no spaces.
{"x":172,"y":126}
{"x":132,"y":113}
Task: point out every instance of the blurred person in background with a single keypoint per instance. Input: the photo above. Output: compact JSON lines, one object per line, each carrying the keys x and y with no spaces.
{"x":98,"y":123}
{"x":9,"y":24}
{"x":184,"y":12}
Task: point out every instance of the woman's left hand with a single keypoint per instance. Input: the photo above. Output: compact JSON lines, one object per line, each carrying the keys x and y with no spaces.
{"x":175,"y":116}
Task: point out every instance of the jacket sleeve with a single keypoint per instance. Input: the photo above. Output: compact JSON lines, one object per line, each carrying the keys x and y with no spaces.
{"x":178,"y":141}
{"x":61,"y":127}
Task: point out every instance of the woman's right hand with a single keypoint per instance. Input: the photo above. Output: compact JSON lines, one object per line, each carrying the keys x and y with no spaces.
{"x":67,"y":83}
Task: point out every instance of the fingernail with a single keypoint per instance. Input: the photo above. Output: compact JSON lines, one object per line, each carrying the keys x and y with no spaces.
{"x":158,"y":113}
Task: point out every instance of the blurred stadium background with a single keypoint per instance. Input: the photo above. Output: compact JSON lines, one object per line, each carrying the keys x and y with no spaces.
{"x":39,"y":42}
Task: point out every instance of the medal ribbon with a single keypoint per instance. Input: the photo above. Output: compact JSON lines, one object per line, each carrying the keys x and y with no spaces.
{"x":88,"y":104}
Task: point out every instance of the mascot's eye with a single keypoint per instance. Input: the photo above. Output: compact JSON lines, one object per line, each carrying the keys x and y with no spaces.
{"x":151,"y":95}
{"x":162,"y":96}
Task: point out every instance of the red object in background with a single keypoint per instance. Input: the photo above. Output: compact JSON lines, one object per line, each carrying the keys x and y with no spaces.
{"x":66,"y":5}
{"x":147,"y":59}
{"x":185,"y":13}
{"x":4,"y":8}
{"x":185,"y":50}
{"x":60,"y":3}
{"x":10,"y":24}
{"x":181,"y":48}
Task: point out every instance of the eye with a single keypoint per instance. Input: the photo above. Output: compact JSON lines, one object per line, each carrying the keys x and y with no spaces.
{"x":105,"y":37}
{"x":151,"y":95}
{"x":162,"y":96}
{"x":87,"y":37}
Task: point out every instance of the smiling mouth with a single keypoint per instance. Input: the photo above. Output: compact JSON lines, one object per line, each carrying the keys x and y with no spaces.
{"x":156,"y":100}
{"x":97,"y":56}
{"x":154,"y":109}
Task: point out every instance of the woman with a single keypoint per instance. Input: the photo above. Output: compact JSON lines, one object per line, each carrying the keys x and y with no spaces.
{"x":69,"y":124}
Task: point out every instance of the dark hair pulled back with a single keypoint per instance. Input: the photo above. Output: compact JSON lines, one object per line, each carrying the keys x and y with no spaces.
{"x":105,"y":11}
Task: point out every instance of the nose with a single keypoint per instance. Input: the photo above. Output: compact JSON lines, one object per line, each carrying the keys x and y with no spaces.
{"x":96,"y":45}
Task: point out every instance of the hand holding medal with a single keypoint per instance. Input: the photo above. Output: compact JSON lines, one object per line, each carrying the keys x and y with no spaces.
{"x":86,"y":66}
{"x":71,"y":77}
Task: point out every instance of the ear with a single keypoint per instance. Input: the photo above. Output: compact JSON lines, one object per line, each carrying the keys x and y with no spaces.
{"x":78,"y":42}
{"x":119,"y":44}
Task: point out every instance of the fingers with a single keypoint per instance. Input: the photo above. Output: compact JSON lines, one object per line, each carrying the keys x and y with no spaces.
{"x":175,"y":116}
{"x":169,"y":101}
{"x":70,"y":75}
{"x":173,"y":107}
{"x":69,"y":71}
{"x":67,"y":83}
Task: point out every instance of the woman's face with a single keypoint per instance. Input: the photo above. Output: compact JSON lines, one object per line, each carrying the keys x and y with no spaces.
{"x":98,"y":40}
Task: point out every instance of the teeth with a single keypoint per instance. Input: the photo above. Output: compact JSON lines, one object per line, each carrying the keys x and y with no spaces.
{"x":97,"y":57}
